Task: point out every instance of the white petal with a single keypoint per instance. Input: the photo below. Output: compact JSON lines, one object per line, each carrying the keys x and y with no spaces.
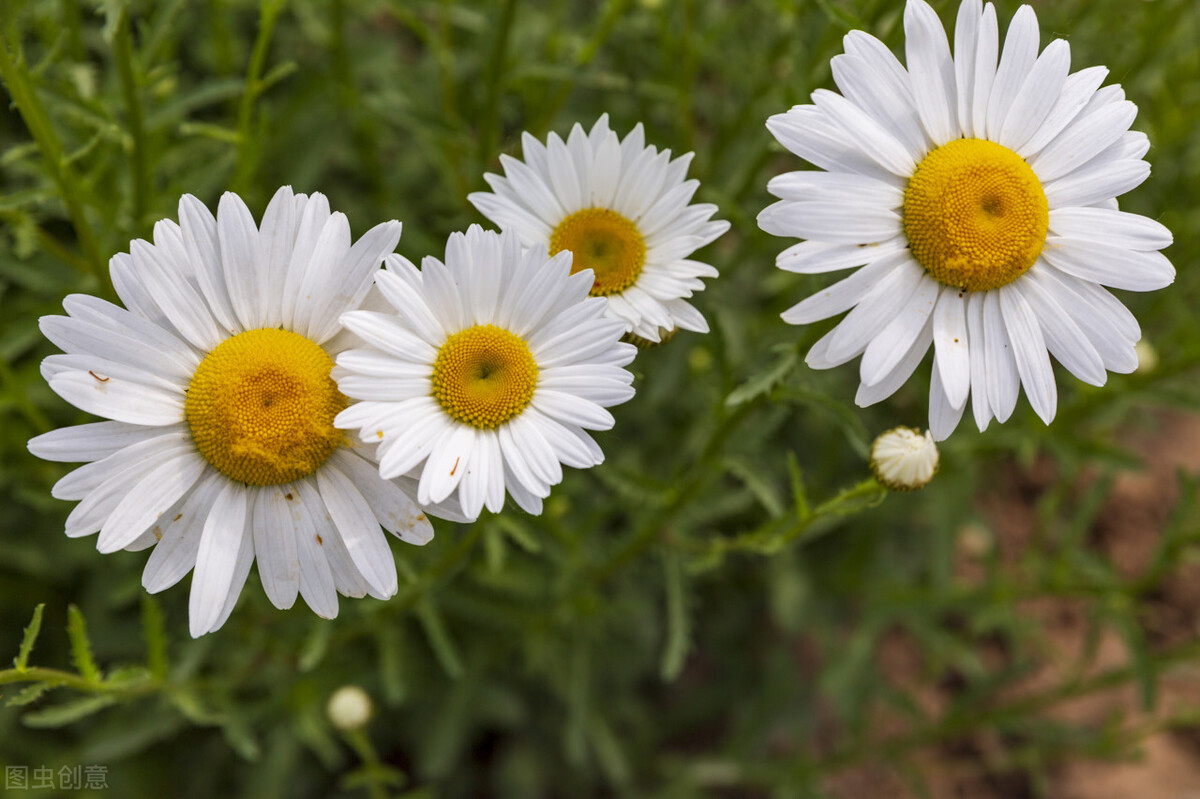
{"x":320,"y":293}
{"x":153,"y":495}
{"x":893,"y":343}
{"x":347,"y":283}
{"x":866,"y":133}
{"x":898,"y":376}
{"x":237,"y":242}
{"x":931,"y":71}
{"x":943,"y":416}
{"x":966,"y":35}
{"x":1093,"y":184}
{"x":275,"y":546}
{"x":572,"y":409}
{"x":1064,"y":338}
{"x":882,"y":304}
{"x":217,"y":557}
{"x":1115,"y":229}
{"x":950,"y":345}
{"x":817,"y":257}
{"x":175,"y":554}
{"x":1029,"y":351}
{"x":199,"y":230}
{"x":118,"y":399}
{"x":1037,"y":97}
{"x":1082,"y":140}
{"x":277,"y":236}
{"x":844,"y":294}
{"x":1076,"y":91}
{"x":359,"y":529}
{"x":980,"y":406}
{"x":395,"y":511}
{"x":1003,"y":381}
{"x":987,"y":51}
{"x":1018,"y":58}
{"x":446,"y":464}
{"x":89,"y":442}
{"x":841,"y":223}
{"x":1109,"y":266}
{"x":316,"y":577}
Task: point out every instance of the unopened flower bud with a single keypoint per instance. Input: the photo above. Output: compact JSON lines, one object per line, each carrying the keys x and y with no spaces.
{"x":349,"y":708}
{"x":904,"y":460}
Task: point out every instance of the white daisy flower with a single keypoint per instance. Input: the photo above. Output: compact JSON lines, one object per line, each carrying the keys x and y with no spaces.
{"x":622,"y":209}
{"x":487,"y":374}
{"x":976,"y":192}
{"x":904,"y":460}
{"x":221,"y":449}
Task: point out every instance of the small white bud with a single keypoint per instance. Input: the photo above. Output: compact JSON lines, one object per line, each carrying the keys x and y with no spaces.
{"x":1147,"y":356}
{"x":349,"y":708}
{"x":904,"y":460}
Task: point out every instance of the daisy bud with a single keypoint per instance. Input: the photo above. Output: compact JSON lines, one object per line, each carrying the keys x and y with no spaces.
{"x":1147,"y":356}
{"x":904,"y":460}
{"x":349,"y":708}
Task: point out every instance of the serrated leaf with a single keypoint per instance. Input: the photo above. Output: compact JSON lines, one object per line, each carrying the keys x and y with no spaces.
{"x":758,"y":484}
{"x":241,"y":740}
{"x":315,"y":646}
{"x":439,"y":639}
{"x":678,"y":638}
{"x":799,"y":492}
{"x":81,"y":648}
{"x":31,"y":634}
{"x":193,"y":709}
{"x":30,"y":693}
{"x":67,"y":713}
{"x":391,"y":667}
{"x":519,"y":533}
{"x":763,"y":382}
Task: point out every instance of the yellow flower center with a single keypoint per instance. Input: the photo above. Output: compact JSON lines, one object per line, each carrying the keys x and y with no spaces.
{"x":605,"y":242}
{"x":484,"y":375}
{"x":261,"y":407}
{"x":975,"y":215}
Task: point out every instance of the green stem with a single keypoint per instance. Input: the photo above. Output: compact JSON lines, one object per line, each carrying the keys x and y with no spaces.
{"x":612,"y":12}
{"x":376,"y":781}
{"x":56,"y":678}
{"x":449,"y":559}
{"x":490,"y":132}
{"x":123,"y":51}
{"x":247,"y":144}
{"x":24,"y":97}
{"x":691,"y":485}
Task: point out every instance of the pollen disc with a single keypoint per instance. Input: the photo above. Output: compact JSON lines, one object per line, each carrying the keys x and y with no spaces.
{"x":261,"y":405}
{"x":975,"y":215}
{"x":484,"y":375}
{"x":605,"y":242}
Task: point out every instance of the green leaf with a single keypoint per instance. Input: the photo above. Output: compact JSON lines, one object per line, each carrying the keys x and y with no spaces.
{"x":67,"y":713}
{"x":759,"y":485}
{"x":315,"y":646}
{"x":679,"y":635}
{"x":31,"y":634}
{"x":391,"y":667}
{"x":763,"y":382}
{"x":29,"y":693}
{"x":439,"y":639}
{"x":799,"y":493}
{"x":81,"y":648}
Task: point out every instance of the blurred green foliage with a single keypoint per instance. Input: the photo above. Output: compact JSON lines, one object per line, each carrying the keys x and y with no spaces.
{"x":698,"y":616}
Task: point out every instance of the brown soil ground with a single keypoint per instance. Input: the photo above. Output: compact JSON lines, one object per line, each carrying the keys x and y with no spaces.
{"x":1165,"y":765}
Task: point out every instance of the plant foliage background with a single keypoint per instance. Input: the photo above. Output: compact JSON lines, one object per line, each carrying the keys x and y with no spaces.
{"x":699,"y":616}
